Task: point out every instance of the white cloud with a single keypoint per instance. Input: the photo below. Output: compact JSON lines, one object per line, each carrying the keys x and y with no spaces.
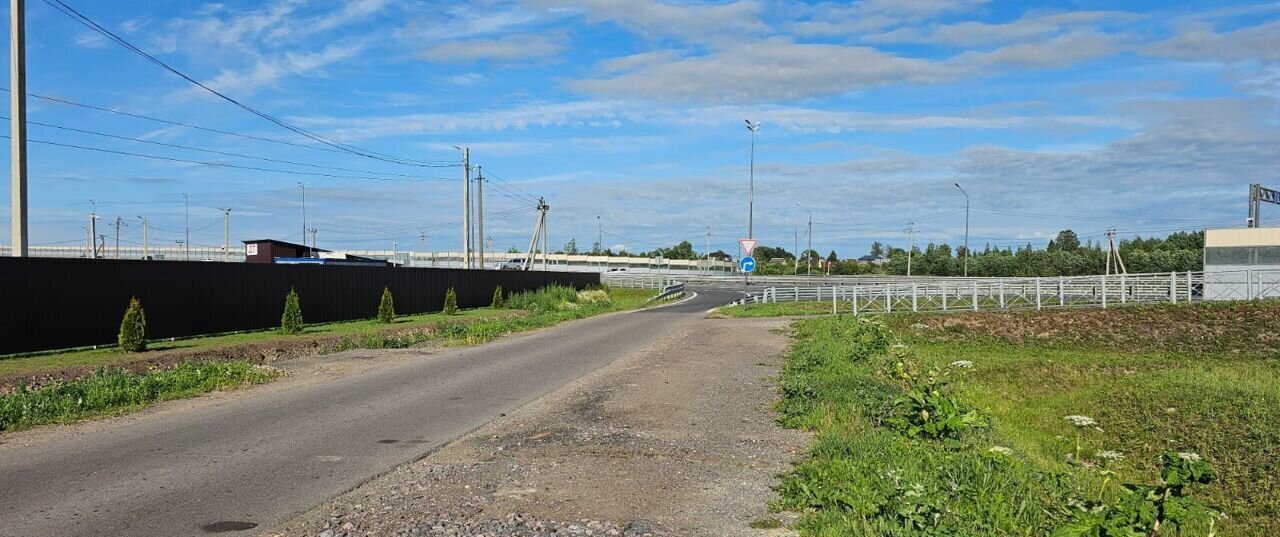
{"x":769,"y":70}
{"x":1201,"y":42}
{"x":974,"y":33}
{"x":268,"y":72}
{"x":90,"y":40}
{"x":699,"y":22}
{"x":1066,"y":49}
{"x":506,"y":49}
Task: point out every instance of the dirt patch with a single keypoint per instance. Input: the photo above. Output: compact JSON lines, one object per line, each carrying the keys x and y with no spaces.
{"x":676,"y":440}
{"x":1249,"y":329}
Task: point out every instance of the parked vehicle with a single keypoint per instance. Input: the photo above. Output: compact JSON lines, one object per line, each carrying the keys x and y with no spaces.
{"x":513,"y":264}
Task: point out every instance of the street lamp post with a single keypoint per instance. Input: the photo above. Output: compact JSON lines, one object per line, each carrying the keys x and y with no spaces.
{"x":966,"y":229}
{"x":303,"y":186}
{"x":186,"y":244}
{"x":751,"y":189}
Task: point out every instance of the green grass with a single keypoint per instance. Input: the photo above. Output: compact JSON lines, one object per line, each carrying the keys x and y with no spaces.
{"x":1201,"y":379}
{"x":779,"y":309}
{"x":115,"y":391}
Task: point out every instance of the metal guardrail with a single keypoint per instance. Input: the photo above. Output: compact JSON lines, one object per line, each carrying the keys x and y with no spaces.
{"x":979,"y":294}
{"x":671,"y":291}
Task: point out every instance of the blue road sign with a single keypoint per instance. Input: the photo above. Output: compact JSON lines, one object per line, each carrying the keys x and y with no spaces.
{"x":747,"y":264}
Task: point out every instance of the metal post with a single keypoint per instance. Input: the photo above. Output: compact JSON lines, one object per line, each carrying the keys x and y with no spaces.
{"x":888,"y":299}
{"x":834,"y":308}
{"x":1188,"y":287}
{"x":975,"y":296}
{"x":1104,"y":292}
{"x":914,"y":293}
{"x":1062,"y":297}
{"x":1248,"y":284}
{"x":1173,"y":287}
{"x":18,"y":126}
{"x":855,"y":301}
{"x":186,"y":244}
{"x":1037,"y":294}
{"x":303,"y":187}
{"x":943,"y":287}
{"x":1124,"y":294}
{"x":117,"y":237}
{"x":226,"y":235}
{"x":145,"y":254}
{"x":1002,"y":294}
{"x":966,"y":229}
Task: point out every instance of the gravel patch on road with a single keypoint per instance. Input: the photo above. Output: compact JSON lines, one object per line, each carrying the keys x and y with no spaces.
{"x":675,"y":440}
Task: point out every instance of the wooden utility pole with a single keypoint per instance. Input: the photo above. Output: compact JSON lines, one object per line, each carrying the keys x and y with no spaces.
{"x":18,"y":126}
{"x":117,"y":237}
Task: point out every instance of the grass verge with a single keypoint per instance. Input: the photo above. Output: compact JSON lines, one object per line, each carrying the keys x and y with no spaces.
{"x":115,"y":382}
{"x":116,"y":391}
{"x":776,"y":309}
{"x":1190,"y":379}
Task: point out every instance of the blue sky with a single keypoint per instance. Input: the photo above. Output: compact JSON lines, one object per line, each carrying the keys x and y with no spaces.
{"x":1146,"y":116}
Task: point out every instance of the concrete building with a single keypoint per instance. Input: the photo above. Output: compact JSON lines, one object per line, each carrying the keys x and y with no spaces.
{"x":1242,"y":263}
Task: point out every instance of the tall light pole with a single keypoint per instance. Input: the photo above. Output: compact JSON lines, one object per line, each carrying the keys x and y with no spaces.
{"x":226,"y":234}
{"x":808,"y":254}
{"x":966,"y":229}
{"x":303,"y":186}
{"x":145,"y":253}
{"x":599,"y":236}
{"x":751,"y":188}
{"x":186,"y":244}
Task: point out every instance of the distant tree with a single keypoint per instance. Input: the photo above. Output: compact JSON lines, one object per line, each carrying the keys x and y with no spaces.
{"x":386,"y":307}
{"x":877,"y":248}
{"x":571,"y":247}
{"x":291,"y":320}
{"x":1067,"y":241}
{"x":133,"y":328}
{"x":832,"y":257}
{"x":513,"y":250}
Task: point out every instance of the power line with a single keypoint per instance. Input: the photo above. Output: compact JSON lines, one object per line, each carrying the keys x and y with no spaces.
{"x":92,"y":25}
{"x":210,"y":151}
{"x":58,"y":100}
{"x":225,"y":165}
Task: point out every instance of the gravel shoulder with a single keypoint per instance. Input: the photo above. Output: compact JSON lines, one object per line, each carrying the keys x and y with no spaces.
{"x":677,"y":439}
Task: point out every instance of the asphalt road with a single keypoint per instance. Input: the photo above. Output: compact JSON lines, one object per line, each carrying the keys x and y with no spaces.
{"x":269,"y":454}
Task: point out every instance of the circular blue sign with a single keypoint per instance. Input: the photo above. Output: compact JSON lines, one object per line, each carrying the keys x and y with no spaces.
{"x":747,"y":264}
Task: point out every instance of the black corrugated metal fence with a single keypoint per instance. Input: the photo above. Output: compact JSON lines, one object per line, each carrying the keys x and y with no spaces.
{"x":56,"y":303}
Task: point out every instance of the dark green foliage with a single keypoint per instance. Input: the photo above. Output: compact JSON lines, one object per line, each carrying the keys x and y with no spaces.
{"x":450,"y":302}
{"x":114,"y":390}
{"x":499,"y":299}
{"x":1164,"y":509}
{"x":291,"y":320}
{"x":133,"y":328}
{"x":386,"y":307}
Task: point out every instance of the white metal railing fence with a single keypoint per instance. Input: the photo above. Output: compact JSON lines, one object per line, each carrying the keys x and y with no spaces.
{"x":1030,"y":293}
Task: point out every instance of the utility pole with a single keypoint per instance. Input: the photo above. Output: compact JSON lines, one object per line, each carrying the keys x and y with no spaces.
{"x":808,"y":255}
{"x":93,"y":230}
{"x":966,"y":229}
{"x":539,"y":230}
{"x":911,"y":233}
{"x":186,"y":248}
{"x":545,"y":251}
{"x":226,"y":234}
{"x":145,"y":254}
{"x":600,"y":235}
{"x":303,"y":186}
{"x":1113,"y":254}
{"x":708,"y":248}
{"x":117,"y":237}
{"x":751,"y":188}
{"x":466,"y":207}
{"x":480,"y":213}
{"x":422,"y":242}
{"x":18,"y":126}
{"x":796,"y":248}
{"x":313,"y":241}
{"x":1255,"y":205}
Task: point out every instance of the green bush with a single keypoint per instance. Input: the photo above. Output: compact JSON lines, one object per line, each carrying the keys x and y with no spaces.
{"x":133,"y":328}
{"x":499,"y":300}
{"x":450,"y":302}
{"x":550,"y":298}
{"x":387,"y":307}
{"x":291,"y":320}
